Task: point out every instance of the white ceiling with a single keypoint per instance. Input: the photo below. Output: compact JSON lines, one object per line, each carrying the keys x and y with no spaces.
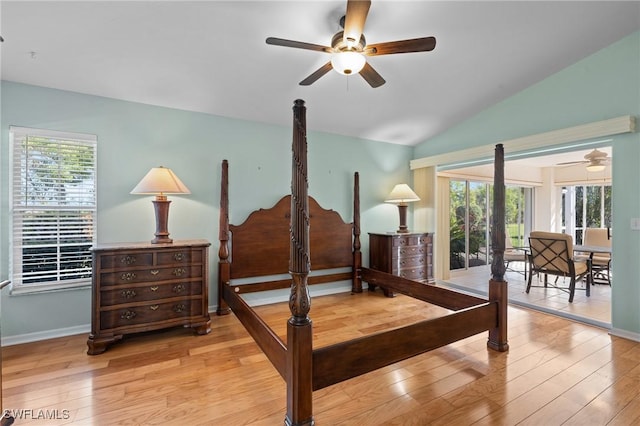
{"x":211,"y":56}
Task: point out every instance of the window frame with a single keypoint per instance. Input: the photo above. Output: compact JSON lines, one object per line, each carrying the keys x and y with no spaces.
{"x":84,"y":205}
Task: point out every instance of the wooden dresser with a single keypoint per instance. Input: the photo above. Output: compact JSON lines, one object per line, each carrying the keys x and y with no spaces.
{"x":142,"y":286}
{"x":406,"y":255}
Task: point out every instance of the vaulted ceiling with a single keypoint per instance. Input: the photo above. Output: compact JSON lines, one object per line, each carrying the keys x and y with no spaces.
{"x":211,"y":56}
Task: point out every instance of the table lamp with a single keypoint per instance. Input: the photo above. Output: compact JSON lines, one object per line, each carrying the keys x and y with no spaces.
{"x":401,"y":195}
{"x":161,"y":181}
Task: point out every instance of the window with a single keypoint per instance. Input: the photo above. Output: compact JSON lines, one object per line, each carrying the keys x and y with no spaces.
{"x":585,"y":206}
{"x":53,"y":208}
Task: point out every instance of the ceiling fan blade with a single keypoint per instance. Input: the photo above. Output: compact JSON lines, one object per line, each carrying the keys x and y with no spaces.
{"x":424,"y":44}
{"x":570,"y":163}
{"x":354,"y":20}
{"x":371,"y":76}
{"x":317,"y":74}
{"x":298,"y":44}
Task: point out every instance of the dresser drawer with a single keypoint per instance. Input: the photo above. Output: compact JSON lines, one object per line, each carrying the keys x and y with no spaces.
{"x":409,"y":262}
{"x":147,"y":292}
{"x":413,"y":273}
{"x":126,"y":260}
{"x":179,"y":257}
{"x":409,"y":251}
{"x":406,"y":240}
{"x":150,"y":275}
{"x":146,"y":314}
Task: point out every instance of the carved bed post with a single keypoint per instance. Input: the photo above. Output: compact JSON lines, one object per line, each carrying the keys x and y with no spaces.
{"x":356,"y":281}
{"x":299,"y":330}
{"x":497,"y":284}
{"x":224,"y":273}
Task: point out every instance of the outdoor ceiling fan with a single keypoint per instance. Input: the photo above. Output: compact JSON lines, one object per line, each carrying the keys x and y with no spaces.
{"x":349,"y":47}
{"x":595,"y":161}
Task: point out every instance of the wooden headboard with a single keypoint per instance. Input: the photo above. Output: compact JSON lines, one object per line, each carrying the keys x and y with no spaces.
{"x":260,"y":245}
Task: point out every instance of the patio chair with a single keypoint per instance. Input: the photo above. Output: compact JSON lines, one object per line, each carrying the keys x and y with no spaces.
{"x":600,"y":262}
{"x":512,"y":254}
{"x":552,"y":254}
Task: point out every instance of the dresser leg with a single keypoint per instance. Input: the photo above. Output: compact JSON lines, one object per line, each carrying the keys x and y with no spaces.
{"x":98,"y":345}
{"x":387,"y":292}
{"x":202,"y":329}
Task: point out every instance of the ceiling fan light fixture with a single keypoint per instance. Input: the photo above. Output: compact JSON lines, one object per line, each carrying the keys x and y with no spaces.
{"x":348,"y":62}
{"x":595,"y":167}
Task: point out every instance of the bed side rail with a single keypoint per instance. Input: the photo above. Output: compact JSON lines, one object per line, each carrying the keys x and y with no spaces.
{"x":440,"y":296}
{"x":269,"y":342}
{"x":342,"y":361}
{"x":286,"y":283}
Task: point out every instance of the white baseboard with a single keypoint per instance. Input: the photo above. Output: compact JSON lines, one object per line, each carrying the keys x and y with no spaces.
{"x":625,"y":334}
{"x":44,"y":335}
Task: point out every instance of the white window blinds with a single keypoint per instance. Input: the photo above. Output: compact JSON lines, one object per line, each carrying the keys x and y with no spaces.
{"x":53,"y":208}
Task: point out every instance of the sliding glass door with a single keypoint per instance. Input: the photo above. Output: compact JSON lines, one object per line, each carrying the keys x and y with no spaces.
{"x":469,"y":221}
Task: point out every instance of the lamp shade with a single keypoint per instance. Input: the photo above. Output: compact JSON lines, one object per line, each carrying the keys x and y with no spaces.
{"x":402,"y":193}
{"x":348,"y":62}
{"x":160,"y":180}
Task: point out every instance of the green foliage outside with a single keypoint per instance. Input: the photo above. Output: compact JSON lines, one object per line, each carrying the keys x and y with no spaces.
{"x":479,"y":196}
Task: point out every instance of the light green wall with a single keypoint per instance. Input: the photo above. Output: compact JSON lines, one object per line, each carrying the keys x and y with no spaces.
{"x":604,"y":85}
{"x":132,"y":138}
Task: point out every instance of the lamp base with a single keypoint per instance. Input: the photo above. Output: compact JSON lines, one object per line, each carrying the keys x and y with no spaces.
{"x":161,"y":240}
{"x":161,"y":207}
{"x":402,"y":211}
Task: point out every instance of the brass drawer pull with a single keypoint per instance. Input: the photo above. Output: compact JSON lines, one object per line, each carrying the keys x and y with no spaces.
{"x":155,"y":272}
{"x":179,"y":308}
{"x":128,"y":294}
{"x":153,"y":307}
{"x":128,"y":315}
{"x":178,"y":272}
{"x":128,"y":260}
{"x":128,"y":276}
{"x":154,"y":288}
{"x":179,"y":288}
{"x":179,"y":257}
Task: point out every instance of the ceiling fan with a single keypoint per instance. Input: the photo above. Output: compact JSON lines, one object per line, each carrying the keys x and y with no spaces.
{"x":596,"y":161}
{"x":349,"y":47}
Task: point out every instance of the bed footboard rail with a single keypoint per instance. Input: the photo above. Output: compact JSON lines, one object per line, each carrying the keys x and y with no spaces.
{"x":440,"y":296}
{"x":359,"y":356}
{"x":272,"y":346}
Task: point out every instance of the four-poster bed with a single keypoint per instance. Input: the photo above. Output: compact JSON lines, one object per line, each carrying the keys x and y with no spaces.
{"x":297,"y":233}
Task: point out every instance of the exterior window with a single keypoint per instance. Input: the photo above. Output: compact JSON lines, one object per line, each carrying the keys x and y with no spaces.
{"x":585,"y":206}
{"x":53,"y":209}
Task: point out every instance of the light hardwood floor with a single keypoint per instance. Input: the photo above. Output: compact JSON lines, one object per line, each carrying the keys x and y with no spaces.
{"x":556,"y":372}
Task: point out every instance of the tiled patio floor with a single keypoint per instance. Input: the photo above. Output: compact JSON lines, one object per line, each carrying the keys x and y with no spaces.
{"x":595,"y":310}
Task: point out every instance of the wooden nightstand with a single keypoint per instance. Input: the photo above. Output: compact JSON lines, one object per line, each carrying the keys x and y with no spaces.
{"x":406,"y":255}
{"x":142,"y":286}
